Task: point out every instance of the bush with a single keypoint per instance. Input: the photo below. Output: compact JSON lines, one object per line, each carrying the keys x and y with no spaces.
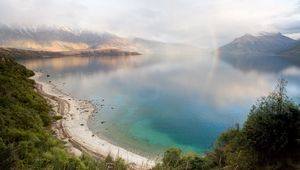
{"x":174,"y":159}
{"x":57,"y":117}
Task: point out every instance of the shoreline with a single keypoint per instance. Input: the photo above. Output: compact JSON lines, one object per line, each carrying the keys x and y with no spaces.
{"x":73,"y":128}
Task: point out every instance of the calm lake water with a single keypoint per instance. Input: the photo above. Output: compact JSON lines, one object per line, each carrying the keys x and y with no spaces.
{"x":168,"y":98}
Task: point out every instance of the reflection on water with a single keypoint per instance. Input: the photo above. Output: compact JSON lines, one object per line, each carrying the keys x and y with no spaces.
{"x":152,"y":102}
{"x":85,"y":65}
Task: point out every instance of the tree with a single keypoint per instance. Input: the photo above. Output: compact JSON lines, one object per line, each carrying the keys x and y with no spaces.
{"x":273,"y":126}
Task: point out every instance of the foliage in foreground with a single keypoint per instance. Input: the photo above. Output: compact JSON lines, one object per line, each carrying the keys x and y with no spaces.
{"x":270,"y":139}
{"x":25,"y":138}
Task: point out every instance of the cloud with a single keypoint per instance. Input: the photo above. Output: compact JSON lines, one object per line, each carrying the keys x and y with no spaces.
{"x":191,"y":21}
{"x":34,"y":12}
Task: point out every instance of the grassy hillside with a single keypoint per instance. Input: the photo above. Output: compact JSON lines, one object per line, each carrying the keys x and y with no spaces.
{"x":25,"y":138}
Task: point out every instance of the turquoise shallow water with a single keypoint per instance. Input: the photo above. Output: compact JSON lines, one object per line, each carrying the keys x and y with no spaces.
{"x":151,"y":102}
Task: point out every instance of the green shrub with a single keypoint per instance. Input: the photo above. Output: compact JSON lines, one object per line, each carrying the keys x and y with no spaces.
{"x":172,"y":157}
{"x":57,"y":117}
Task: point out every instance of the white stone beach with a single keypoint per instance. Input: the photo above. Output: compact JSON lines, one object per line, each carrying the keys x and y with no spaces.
{"x":73,"y":127}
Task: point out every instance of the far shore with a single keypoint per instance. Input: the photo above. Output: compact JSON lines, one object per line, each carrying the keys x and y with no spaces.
{"x":73,"y":128}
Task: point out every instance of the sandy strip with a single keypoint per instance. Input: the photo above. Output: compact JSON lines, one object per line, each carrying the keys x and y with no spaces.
{"x":74,"y":130}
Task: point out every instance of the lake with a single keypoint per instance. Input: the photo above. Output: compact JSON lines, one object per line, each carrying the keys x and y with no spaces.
{"x":166,"y":98}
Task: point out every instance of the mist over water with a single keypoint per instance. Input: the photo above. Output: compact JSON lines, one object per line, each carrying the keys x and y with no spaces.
{"x":170,"y":98}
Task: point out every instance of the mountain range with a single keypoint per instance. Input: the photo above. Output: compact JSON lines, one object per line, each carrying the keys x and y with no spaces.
{"x":60,"y":39}
{"x":265,"y":51}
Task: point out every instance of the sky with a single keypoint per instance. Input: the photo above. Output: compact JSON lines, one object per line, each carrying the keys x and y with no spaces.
{"x":196,"y":22}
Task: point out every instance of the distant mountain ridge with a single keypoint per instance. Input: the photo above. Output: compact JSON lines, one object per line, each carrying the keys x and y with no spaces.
{"x":270,"y":43}
{"x":62,"y":39}
{"x":265,"y":51}
{"x":59,"y":39}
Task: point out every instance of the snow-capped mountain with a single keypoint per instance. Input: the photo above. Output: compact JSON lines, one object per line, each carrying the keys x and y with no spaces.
{"x":59,"y":39}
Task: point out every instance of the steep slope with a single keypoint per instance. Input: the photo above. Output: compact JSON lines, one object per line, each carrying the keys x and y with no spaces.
{"x":26,"y":141}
